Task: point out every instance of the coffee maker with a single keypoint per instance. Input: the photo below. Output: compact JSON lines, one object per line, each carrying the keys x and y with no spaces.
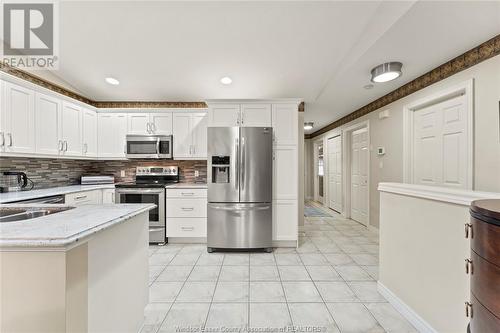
{"x":13,"y":181}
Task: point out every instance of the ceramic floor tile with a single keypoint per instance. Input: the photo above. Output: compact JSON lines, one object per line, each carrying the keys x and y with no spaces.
{"x":196,"y":292}
{"x":338,"y":259}
{"x":164,"y":291}
{"x":257,"y":259}
{"x":293,"y":273}
{"x":301,"y":292}
{"x":234,"y":273}
{"x":204,"y":273}
{"x":288,"y":259}
{"x":336,"y":291}
{"x":231,"y":292}
{"x":154,"y":271}
{"x":372,"y":271}
{"x":210,"y":259}
{"x":269,"y":315}
{"x":175,"y":273}
{"x":389,"y":318}
{"x":264,"y":273}
{"x":185,"y":315}
{"x":160,"y":258}
{"x":237,"y":259}
{"x":354,"y":318}
{"x":367,"y":291}
{"x":312,"y":315}
{"x":155,"y":313}
{"x":323,"y":273}
{"x":353,"y":273}
{"x":193,"y":249}
{"x":184,"y":259}
{"x":364,"y":259}
{"x":266,"y":292}
{"x":229,"y":315}
{"x":313,"y":259}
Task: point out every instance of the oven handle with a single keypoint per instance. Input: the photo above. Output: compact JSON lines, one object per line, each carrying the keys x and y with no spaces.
{"x":139,"y":191}
{"x":158,"y":146}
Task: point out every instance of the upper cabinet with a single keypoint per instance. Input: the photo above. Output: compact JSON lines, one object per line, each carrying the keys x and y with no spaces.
{"x":285,"y":124}
{"x":89,"y":133}
{"x":190,"y":135}
{"x":242,"y":115}
{"x":71,"y":129}
{"x":47,"y":118}
{"x":111,"y":134}
{"x":17,"y":119}
{"x":149,"y":123}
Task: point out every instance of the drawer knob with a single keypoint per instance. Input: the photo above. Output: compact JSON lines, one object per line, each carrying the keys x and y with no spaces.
{"x":468,"y":266}
{"x":468,"y":230}
{"x":468,"y":309}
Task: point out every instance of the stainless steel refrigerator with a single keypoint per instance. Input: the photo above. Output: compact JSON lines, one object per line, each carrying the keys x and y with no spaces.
{"x":240,"y":185}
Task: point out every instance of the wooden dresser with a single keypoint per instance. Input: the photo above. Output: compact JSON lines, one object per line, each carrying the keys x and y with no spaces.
{"x":484,"y":266}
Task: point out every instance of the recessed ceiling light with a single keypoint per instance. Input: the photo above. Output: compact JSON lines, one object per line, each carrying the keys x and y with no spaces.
{"x":308,"y":125}
{"x":226,"y":80}
{"x":386,"y":72}
{"x":112,"y":80}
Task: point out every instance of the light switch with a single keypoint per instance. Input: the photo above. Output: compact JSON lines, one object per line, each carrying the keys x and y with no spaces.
{"x":196,"y":173}
{"x":122,"y":173}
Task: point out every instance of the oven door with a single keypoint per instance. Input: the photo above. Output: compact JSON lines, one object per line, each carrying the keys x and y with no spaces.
{"x":157,"y":222}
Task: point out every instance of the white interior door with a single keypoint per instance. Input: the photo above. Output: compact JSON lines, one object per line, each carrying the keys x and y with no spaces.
{"x":440,"y":144}
{"x":335,"y":173}
{"x":359,"y":175}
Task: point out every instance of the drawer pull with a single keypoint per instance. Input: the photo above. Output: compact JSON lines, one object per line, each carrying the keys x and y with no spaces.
{"x":468,"y":266}
{"x":468,"y":230}
{"x":187,"y":228}
{"x":187,"y":208}
{"x":468,"y":309}
{"x":187,"y":193}
{"x":80,"y":197}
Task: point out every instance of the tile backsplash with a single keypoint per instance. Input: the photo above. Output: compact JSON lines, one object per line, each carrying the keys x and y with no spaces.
{"x":47,"y":173}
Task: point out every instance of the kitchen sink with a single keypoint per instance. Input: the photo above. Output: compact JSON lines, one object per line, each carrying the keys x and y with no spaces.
{"x":8,"y":214}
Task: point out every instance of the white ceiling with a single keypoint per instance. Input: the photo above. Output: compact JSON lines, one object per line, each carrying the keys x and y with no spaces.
{"x":319,"y":51}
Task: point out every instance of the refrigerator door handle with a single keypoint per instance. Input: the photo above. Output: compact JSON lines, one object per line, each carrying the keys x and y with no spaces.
{"x":236,"y":166}
{"x":243,"y":161}
{"x":240,"y":208}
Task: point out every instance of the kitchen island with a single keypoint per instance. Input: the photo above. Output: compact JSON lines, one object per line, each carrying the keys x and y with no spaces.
{"x":84,"y":269}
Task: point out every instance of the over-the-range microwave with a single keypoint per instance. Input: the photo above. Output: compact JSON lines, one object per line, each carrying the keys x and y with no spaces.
{"x":149,"y":146}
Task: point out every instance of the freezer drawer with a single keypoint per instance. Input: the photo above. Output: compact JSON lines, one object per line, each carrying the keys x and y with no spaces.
{"x":239,"y":226}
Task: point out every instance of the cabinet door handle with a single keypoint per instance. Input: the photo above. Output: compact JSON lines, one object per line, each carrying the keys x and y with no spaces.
{"x":3,"y":139}
{"x":468,"y":267}
{"x":468,"y":309}
{"x":468,"y":230}
{"x":65,"y":145}
{"x":148,"y":127}
{"x":187,"y":228}
{"x":186,"y":194}
{"x":60,"y":145}
{"x":242,"y":117}
{"x":10,"y":139}
{"x":81,"y":197}
{"x":187,"y":208}
{"x":153,"y":127}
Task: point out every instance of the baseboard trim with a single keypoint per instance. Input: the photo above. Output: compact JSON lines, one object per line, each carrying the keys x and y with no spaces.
{"x":420,"y":324}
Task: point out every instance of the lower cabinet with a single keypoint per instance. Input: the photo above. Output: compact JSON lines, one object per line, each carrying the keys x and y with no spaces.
{"x":285,"y":220}
{"x":93,"y":197}
{"x":108,"y":196}
{"x":186,"y":213}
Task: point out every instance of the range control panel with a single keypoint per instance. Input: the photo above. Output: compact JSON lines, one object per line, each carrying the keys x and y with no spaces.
{"x":157,"y":171}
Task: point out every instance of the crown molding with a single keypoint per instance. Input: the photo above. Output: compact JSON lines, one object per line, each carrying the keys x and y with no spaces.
{"x":474,"y":56}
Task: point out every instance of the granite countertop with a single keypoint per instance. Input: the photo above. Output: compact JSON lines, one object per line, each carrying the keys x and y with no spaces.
{"x":67,"y":227}
{"x":188,"y":185}
{"x":47,"y":192}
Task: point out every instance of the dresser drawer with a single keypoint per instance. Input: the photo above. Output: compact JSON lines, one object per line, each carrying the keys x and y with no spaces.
{"x":486,"y":240}
{"x":483,"y":321}
{"x":186,"y":193}
{"x":485,"y":283}
{"x":177,"y":207}
{"x":186,"y":227}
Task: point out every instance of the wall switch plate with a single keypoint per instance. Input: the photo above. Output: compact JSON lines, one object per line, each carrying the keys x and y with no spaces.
{"x":122,"y":173}
{"x":381,"y":151}
{"x":196,"y":173}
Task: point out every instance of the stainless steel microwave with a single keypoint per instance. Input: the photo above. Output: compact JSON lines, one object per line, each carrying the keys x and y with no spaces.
{"x":149,"y":146}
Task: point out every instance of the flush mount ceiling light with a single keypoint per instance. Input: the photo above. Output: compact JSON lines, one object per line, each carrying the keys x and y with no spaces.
{"x":308,"y":125}
{"x":112,"y":81}
{"x":226,"y":80}
{"x":386,"y":72}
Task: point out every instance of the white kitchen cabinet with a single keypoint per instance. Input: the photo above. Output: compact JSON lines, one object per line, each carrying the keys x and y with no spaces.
{"x":186,"y":212}
{"x":111,"y":135}
{"x":93,"y":197}
{"x":71,"y":129}
{"x":190,"y":135}
{"x":47,"y":118}
{"x":285,"y":220}
{"x":224,"y":115}
{"x":17,"y":119}
{"x":285,"y":173}
{"x":149,"y":123}
{"x":161,"y":123}
{"x":285,"y":124}
{"x":255,"y":115}
{"x":89,"y":133}
{"x":108,"y":196}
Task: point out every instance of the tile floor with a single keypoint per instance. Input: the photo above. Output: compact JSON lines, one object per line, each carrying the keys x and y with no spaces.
{"x":327,"y":284}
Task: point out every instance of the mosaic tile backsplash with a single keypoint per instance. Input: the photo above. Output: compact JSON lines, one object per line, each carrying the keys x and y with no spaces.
{"x":47,"y":173}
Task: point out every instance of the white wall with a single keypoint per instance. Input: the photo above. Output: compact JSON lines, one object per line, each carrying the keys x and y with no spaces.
{"x":389,"y":132}
{"x":308,"y":169}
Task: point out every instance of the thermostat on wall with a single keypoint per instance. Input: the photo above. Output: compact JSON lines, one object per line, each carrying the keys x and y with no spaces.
{"x":381,"y":151}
